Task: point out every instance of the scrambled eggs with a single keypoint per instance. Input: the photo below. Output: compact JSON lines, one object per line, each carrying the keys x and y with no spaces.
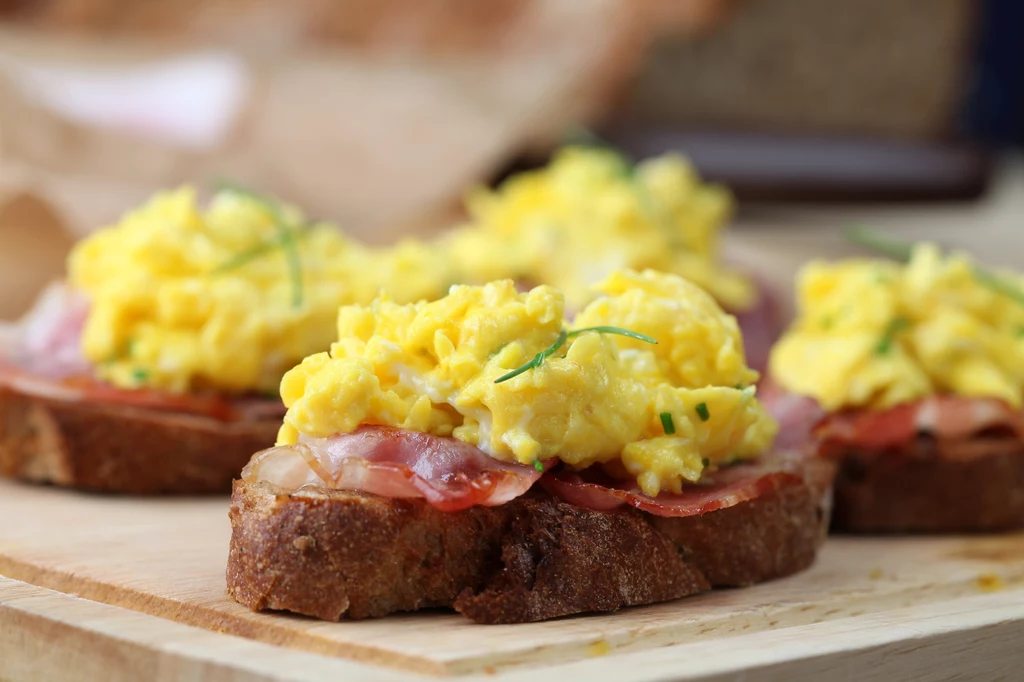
{"x":878,"y":333}
{"x":228,"y":298}
{"x":658,"y":412}
{"x":590,"y":213}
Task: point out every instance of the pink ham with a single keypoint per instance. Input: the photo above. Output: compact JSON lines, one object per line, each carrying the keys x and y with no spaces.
{"x":956,"y":422}
{"x":47,"y":340}
{"x":719,"y":490}
{"x":761,"y":326}
{"x":450,"y":474}
{"x":797,"y":416}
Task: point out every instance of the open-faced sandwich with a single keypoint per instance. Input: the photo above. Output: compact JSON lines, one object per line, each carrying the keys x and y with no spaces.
{"x":154,"y":368}
{"x":591,"y":212}
{"x":910,"y":375}
{"x":480,"y":452}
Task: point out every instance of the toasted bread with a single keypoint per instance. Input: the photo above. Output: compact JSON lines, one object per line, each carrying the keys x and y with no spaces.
{"x":919,"y":491}
{"x":121,"y":448}
{"x":331,"y":554}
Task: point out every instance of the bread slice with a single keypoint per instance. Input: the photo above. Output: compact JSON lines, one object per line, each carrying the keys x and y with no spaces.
{"x":123,"y":449}
{"x":920,"y":491}
{"x":330,"y":554}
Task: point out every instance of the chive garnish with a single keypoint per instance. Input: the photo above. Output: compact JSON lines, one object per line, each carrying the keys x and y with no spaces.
{"x":537,"y":360}
{"x":564,"y":336}
{"x":614,"y":330}
{"x":140,"y":375}
{"x":702,"y":411}
{"x":901,"y":251}
{"x":538,"y":465}
{"x":285,"y":240}
{"x":667,"y":424}
{"x":998,"y":284}
{"x":869,"y":239}
{"x":897,"y":325}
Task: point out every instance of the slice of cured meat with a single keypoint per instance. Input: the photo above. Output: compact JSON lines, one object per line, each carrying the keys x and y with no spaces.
{"x":947,"y":418}
{"x":797,"y":416}
{"x":761,"y":326}
{"x":47,"y":340}
{"x":724,"y":488}
{"x":450,"y":474}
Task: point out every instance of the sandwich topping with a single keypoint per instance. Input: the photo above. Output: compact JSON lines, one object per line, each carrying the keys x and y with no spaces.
{"x":891,"y":350}
{"x":502,"y":371}
{"x":227,"y":298}
{"x":589,"y":213}
{"x":874,"y":334}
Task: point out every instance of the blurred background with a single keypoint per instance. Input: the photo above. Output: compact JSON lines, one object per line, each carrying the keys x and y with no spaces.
{"x":378,"y":114}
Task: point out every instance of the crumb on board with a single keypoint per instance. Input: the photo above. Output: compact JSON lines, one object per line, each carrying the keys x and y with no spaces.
{"x":990,"y":582}
{"x":598,"y":647}
{"x":876,"y":574}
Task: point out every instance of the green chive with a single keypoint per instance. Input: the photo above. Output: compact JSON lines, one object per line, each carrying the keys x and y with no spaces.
{"x":285,"y":240}
{"x":827,"y":322}
{"x":537,"y":360}
{"x":702,"y":412}
{"x":246,"y":257}
{"x":998,"y":284}
{"x":614,"y":330}
{"x":898,"y":325}
{"x":667,"y":424}
{"x":900,"y":250}
{"x":869,"y":239}
{"x":563,"y":336}
{"x":140,"y":375}
{"x":538,"y":465}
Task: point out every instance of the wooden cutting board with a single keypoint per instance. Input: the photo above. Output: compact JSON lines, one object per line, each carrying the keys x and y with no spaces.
{"x":166,"y":558}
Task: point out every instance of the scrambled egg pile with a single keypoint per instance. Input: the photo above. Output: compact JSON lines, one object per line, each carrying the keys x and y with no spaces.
{"x":230,"y":297}
{"x":879,"y":333}
{"x":590,"y":213}
{"x":658,"y":412}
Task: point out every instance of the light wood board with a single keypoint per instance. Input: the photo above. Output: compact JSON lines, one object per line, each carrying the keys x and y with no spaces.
{"x":166,"y":558}
{"x":46,"y":635}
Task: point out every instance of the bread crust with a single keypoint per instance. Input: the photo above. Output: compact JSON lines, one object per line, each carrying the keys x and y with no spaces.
{"x":122,"y":448}
{"x":919,"y":491}
{"x":331,"y":554}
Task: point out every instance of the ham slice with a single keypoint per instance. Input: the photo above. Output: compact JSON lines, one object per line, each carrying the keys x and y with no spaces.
{"x":41,"y":356}
{"x":761,"y":326}
{"x":948,"y":418}
{"x":797,"y":416}
{"x":449,"y":474}
{"x":47,"y":340}
{"x":724,"y":488}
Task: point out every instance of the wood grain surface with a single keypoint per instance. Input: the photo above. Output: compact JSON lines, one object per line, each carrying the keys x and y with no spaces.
{"x":166,"y":558}
{"x":47,"y":635}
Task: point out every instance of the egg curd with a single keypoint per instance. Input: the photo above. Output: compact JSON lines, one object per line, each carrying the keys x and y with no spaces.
{"x":228,"y":298}
{"x":590,"y":213}
{"x":658,"y":412}
{"x":875,"y":334}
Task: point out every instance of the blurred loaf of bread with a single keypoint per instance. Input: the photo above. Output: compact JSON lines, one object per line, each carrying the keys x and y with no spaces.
{"x":408,"y":26}
{"x":870,"y":67}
